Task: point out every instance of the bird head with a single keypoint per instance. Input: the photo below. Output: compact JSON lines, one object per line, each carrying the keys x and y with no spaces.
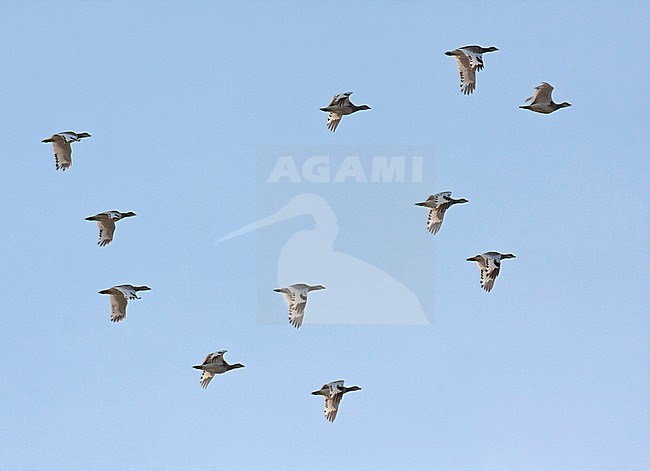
{"x":491,"y":49}
{"x":507,"y":255}
{"x":475,"y":258}
{"x":353,"y":388}
{"x":142,"y":288}
{"x":364,"y":107}
{"x":564,"y":104}
{"x":128,"y":214}
{"x":236,"y":365}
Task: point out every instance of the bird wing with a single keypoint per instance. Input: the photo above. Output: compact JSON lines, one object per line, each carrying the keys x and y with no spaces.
{"x":333,"y":121}
{"x":475,"y":58}
{"x":69,"y":136}
{"x":215,"y":358}
{"x":106,"y":230}
{"x":206,"y":377}
{"x":127,"y":291}
{"x":467,"y":74}
{"x":488,"y":278}
{"x":489,"y":272}
{"x":118,"y":307}
{"x":542,"y":94}
{"x":436,"y":215}
{"x":341,"y":99}
{"x":62,"y":154}
{"x":332,"y":406}
{"x":434,"y":222}
{"x":442,"y":196}
{"x":297,"y":308}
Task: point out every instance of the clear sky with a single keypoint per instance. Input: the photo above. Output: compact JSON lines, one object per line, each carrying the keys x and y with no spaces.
{"x":549,"y":371}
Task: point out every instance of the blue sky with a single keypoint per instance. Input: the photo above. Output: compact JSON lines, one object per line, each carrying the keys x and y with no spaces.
{"x":548,"y":371}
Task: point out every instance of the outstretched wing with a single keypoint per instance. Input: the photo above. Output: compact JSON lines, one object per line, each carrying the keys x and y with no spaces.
{"x":467,"y":74}
{"x":297,"y":309}
{"x":333,"y":121}
{"x":206,"y":377}
{"x":475,"y":58}
{"x":488,"y":278}
{"x":332,"y":406}
{"x":62,"y":154}
{"x":342,"y":99}
{"x":215,"y":358}
{"x":434,"y":222}
{"x":118,"y":307}
{"x":106,"y":230}
{"x":489,"y":273}
{"x":542,"y":94}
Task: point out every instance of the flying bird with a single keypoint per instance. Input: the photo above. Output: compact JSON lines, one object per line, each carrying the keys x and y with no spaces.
{"x":62,"y":149}
{"x":469,"y":60}
{"x":490,"y":264}
{"x":296,"y":296}
{"x":438,"y":204}
{"x":542,"y":102}
{"x":214,"y":364}
{"x":339,"y":107}
{"x":120,"y":296}
{"x":333,"y":393}
{"x":106,"y":222}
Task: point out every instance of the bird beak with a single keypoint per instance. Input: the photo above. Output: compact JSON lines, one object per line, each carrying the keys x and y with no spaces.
{"x":420,"y":204}
{"x":315,"y":393}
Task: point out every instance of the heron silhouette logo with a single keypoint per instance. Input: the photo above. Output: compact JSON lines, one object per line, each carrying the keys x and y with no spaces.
{"x":301,"y":238}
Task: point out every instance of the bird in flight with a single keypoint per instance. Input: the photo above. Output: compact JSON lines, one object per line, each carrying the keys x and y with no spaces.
{"x":62,"y":148}
{"x":438,"y":204}
{"x":490,"y":265}
{"x":120,"y":296}
{"x":106,"y":222}
{"x":542,"y":101}
{"x":339,"y":107}
{"x":469,"y":60}
{"x":214,"y":364}
{"x":296,"y":296}
{"x":333,"y":393}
